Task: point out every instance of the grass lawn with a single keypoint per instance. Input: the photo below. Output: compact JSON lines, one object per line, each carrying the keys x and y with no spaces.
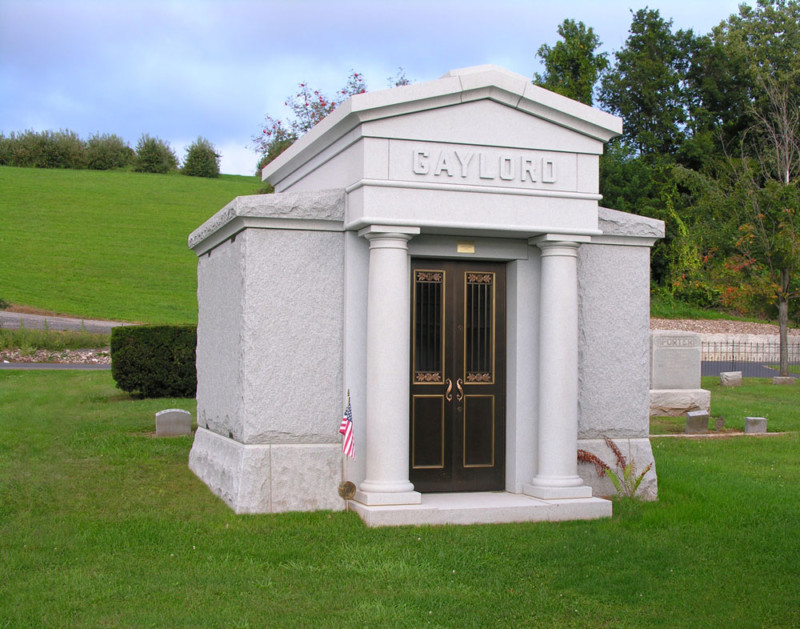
{"x":107,"y":245}
{"x":758,"y":397}
{"x":103,"y":525}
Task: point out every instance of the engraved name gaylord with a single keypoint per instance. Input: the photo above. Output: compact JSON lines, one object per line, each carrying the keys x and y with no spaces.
{"x":471,"y":164}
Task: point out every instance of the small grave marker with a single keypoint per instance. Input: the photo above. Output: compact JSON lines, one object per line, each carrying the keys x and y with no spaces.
{"x":173,"y":422}
{"x":730,"y":379}
{"x":696,"y":422}
{"x":753,"y":425}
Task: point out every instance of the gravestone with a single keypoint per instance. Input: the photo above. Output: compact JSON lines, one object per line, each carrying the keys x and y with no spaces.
{"x":730,"y":378}
{"x":675,"y":374}
{"x":696,"y":422}
{"x":754,"y":425}
{"x":173,"y":422}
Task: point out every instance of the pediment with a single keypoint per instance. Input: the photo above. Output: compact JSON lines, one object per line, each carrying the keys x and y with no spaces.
{"x":481,"y":106}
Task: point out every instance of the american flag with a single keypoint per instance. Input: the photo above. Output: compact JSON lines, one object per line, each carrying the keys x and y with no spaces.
{"x":348,"y":446}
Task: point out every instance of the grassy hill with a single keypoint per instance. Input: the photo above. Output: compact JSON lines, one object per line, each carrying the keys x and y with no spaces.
{"x":109,"y":245}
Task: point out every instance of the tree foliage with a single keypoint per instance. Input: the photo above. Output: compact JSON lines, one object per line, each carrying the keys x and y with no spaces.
{"x":645,"y":84}
{"x":308,"y":107}
{"x":108,"y":151}
{"x":712,"y":147}
{"x":201,"y":159}
{"x":154,"y":155}
{"x":572,"y":66}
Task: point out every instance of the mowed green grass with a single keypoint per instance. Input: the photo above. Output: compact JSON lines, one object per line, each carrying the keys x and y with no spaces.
{"x":103,"y":525}
{"x":106,"y":245}
{"x":757,"y":397}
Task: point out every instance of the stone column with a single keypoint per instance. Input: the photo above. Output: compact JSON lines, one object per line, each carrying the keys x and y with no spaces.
{"x":557,"y":441}
{"x":388,"y":325}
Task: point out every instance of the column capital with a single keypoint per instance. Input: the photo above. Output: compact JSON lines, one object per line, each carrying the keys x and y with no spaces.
{"x":546,"y":241}
{"x":389,"y":231}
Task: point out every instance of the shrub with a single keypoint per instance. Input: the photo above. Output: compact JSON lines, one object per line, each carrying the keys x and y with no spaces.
{"x":4,"y":305}
{"x":6,"y":148}
{"x":108,"y":151}
{"x":45,"y":149}
{"x":202,"y":159}
{"x":154,"y":155}
{"x":155,"y":360}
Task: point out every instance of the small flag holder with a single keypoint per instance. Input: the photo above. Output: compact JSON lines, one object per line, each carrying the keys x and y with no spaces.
{"x":347,"y":489}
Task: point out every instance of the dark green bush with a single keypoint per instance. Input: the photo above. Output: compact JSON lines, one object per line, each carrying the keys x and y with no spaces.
{"x":6,"y":148}
{"x":44,"y":149}
{"x":108,"y":151}
{"x":154,"y":155}
{"x":201,"y":160}
{"x":155,"y":360}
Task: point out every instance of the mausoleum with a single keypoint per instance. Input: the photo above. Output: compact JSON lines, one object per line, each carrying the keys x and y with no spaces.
{"x":438,"y":251}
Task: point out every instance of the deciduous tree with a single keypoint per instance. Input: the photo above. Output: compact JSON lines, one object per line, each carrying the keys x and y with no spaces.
{"x":572,"y":67}
{"x":308,"y":107}
{"x":645,"y":84}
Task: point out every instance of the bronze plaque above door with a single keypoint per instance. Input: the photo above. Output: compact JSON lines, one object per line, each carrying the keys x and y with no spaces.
{"x":458,"y":355}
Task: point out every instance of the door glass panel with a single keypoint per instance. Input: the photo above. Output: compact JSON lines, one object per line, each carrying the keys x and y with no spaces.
{"x":428,"y":326}
{"x":479,"y":328}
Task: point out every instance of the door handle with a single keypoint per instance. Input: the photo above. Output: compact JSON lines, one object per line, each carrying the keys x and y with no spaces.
{"x":460,"y":394}
{"x":448,"y":395}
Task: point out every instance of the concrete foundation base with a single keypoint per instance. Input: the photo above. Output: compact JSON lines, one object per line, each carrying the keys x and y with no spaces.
{"x":268,"y":478}
{"x":482,"y":508}
{"x":677,"y":402}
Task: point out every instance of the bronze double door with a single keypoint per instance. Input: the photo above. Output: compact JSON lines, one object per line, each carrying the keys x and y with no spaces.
{"x":457,"y":406}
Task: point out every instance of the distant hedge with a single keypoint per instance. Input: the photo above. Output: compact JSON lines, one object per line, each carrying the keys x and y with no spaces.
{"x":65,"y":149}
{"x":155,"y":360}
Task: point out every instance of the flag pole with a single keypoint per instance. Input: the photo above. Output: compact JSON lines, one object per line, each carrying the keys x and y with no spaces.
{"x":346,"y":488}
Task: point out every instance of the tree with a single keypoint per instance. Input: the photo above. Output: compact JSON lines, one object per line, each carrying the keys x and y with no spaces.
{"x":201,"y":160}
{"x":572,"y":67}
{"x":769,"y":199}
{"x":308,"y":108}
{"x":645,"y":85}
{"x":154,"y":155}
{"x":108,"y":151}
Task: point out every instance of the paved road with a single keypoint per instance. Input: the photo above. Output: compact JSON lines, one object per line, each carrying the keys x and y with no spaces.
{"x":61,"y":366}
{"x":749,"y":370}
{"x":37,"y":322}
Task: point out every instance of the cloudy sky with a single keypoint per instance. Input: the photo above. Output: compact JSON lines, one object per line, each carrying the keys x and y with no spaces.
{"x":179,"y":69}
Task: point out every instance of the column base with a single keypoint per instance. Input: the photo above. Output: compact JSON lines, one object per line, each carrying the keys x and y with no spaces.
{"x":556,"y":493}
{"x":383,"y":498}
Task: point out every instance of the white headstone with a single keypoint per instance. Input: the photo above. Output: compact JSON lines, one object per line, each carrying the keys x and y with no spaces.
{"x":730,"y":378}
{"x":755,"y":424}
{"x":674,"y":360}
{"x":173,"y":422}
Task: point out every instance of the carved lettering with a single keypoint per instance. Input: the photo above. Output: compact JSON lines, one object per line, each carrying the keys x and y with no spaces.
{"x":464,"y":159}
{"x":443,"y":164}
{"x":485,"y":165}
{"x":528,"y":169}
{"x":677,"y":341}
{"x":421,"y":162}
{"x":548,"y":171}
{"x":507,"y":168}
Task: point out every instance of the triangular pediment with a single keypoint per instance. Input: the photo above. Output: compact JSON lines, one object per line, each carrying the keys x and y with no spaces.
{"x":483,"y":106}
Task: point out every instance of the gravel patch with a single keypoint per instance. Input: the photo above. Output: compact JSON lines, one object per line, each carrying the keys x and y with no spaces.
{"x":71,"y":357}
{"x":718,"y":326}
